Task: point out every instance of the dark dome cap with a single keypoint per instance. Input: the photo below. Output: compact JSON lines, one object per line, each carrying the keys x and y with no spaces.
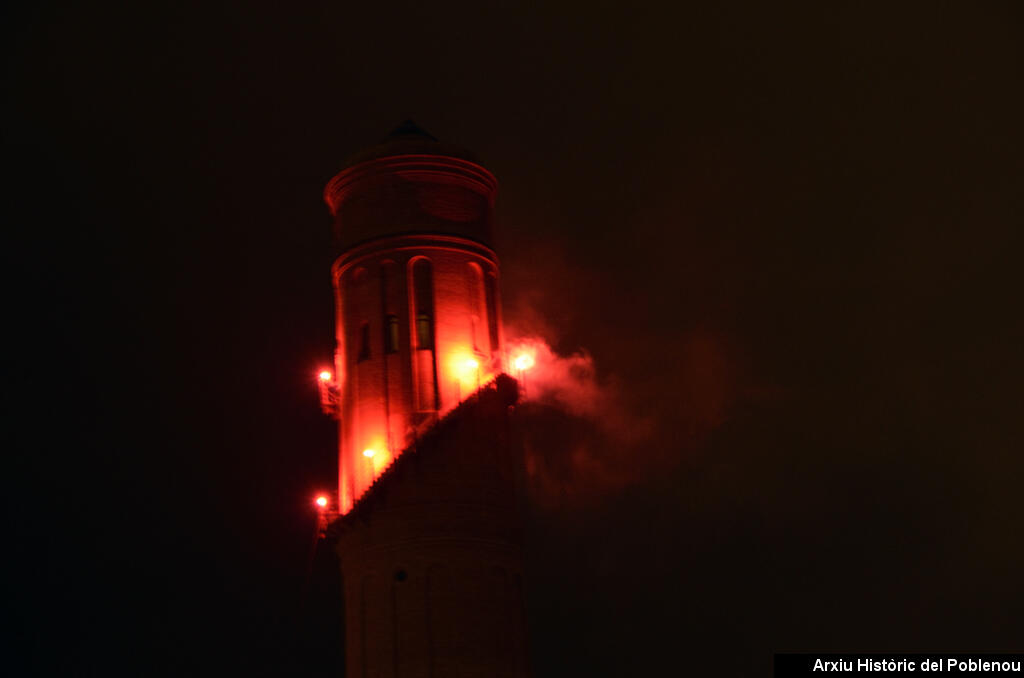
{"x":409,"y":128}
{"x":409,"y":139}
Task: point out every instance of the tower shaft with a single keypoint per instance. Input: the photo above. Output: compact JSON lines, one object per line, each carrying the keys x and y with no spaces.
{"x":417,"y":302}
{"x":428,"y":533}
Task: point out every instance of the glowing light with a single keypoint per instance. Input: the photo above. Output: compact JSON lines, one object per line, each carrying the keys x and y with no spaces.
{"x":368,"y":453}
{"x":321,"y":501}
{"x":523,"y":362}
{"x":325,"y":376}
{"x":466,"y":368}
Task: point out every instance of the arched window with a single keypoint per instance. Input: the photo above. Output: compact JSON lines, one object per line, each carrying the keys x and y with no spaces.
{"x":391,"y":333}
{"x":477,"y":307}
{"x":491,"y":292}
{"x":423,"y":300}
{"x":424,"y":332}
{"x":388,"y":278}
{"x":364,"y":343}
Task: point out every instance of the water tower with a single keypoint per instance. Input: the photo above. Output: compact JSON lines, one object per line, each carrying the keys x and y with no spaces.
{"x":427,"y":528}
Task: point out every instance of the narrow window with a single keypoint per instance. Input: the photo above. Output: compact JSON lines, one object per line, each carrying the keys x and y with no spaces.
{"x":391,"y":334}
{"x":423,"y":297}
{"x":491,"y":292}
{"x":477,"y":307}
{"x":364,"y":343}
{"x":424,"y":337}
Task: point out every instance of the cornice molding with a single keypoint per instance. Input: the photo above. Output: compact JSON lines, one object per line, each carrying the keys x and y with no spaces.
{"x":411,"y":241}
{"x":418,"y":168}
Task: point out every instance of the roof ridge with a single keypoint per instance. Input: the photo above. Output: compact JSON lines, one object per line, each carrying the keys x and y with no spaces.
{"x":495,"y":386}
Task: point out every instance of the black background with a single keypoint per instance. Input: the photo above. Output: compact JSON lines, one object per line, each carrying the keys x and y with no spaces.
{"x":787,"y":235}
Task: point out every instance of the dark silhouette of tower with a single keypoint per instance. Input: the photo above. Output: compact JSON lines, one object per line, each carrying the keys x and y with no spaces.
{"x":427,"y":530}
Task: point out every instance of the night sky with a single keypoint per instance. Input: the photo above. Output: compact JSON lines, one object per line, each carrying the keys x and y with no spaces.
{"x":788,"y":238}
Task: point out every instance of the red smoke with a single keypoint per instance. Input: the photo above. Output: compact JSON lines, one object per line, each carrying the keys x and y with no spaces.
{"x":579,"y":435}
{"x":570,"y":383}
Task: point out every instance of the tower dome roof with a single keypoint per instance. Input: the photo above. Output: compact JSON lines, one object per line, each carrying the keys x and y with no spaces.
{"x":411,"y":183}
{"x":409,"y":139}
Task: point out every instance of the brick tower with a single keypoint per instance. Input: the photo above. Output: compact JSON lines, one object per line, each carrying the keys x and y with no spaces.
{"x":427,"y":531}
